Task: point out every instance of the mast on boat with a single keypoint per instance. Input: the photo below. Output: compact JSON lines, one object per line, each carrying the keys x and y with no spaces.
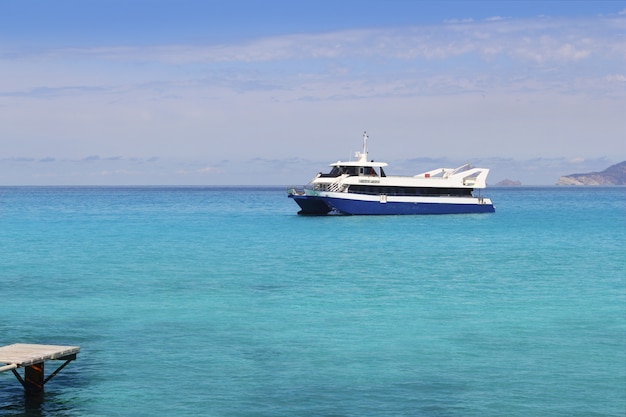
{"x":363,"y":155}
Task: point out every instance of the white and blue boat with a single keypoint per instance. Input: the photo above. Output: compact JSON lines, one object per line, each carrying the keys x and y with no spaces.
{"x":362,"y":187}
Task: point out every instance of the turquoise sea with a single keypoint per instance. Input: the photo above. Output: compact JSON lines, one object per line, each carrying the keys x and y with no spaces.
{"x":205,"y":301}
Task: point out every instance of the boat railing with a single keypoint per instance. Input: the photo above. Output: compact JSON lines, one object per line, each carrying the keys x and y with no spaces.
{"x":295,"y":191}
{"x":462,"y":168}
{"x":337,"y":186}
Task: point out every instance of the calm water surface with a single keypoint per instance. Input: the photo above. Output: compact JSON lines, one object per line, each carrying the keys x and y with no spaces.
{"x":224,"y":302}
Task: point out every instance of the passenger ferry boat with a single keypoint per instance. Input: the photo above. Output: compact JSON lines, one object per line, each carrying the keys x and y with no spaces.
{"x":363,"y":187}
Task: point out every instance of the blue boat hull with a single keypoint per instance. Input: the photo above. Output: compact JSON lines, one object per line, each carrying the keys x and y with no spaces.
{"x":361,"y":207}
{"x":310,"y":205}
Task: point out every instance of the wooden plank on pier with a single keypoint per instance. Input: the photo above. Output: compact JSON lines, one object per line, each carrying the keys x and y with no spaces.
{"x":23,"y":354}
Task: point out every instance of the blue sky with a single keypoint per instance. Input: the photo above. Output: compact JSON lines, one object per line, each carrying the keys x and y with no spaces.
{"x":188,"y":92}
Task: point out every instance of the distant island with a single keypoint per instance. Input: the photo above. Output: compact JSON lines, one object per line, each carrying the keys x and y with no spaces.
{"x":508,"y":183}
{"x":613,"y":175}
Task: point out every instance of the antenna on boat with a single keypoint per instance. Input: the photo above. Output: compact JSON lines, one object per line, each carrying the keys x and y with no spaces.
{"x":363,"y":155}
{"x":365,"y":144}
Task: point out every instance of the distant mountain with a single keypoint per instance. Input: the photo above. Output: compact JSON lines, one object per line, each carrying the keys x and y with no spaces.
{"x":508,"y":183}
{"x":613,"y":175}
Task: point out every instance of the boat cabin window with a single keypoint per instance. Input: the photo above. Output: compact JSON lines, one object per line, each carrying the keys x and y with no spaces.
{"x":350,"y":170}
{"x":335,"y":172}
{"x":410,"y":191}
{"x":367,"y":171}
{"x":341,"y":170}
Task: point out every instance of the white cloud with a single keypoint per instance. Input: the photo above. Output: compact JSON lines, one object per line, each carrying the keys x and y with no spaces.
{"x":620,"y":78}
{"x":539,"y":40}
{"x":461,"y":57}
{"x":208,"y":170}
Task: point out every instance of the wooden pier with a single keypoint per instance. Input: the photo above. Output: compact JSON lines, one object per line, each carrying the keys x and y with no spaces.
{"x":32,"y":358}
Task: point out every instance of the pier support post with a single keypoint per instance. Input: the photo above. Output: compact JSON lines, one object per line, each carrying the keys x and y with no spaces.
{"x":34,"y":378}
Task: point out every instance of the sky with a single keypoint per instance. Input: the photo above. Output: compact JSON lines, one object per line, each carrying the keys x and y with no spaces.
{"x":243,"y":92}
